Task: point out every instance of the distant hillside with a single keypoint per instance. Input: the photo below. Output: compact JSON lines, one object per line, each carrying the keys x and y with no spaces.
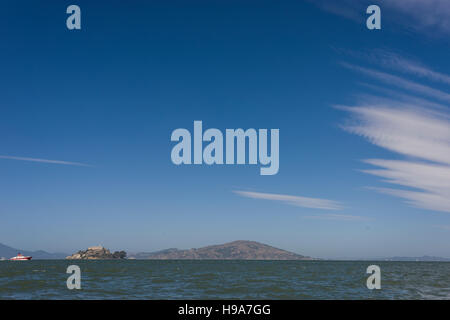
{"x":237,"y":250}
{"x":424,"y":258}
{"x":8,"y":252}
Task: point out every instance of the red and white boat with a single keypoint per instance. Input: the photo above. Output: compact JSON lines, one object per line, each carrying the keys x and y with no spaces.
{"x":20,"y":257}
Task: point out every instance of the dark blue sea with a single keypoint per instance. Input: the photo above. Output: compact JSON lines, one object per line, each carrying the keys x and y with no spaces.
{"x":212,"y":279}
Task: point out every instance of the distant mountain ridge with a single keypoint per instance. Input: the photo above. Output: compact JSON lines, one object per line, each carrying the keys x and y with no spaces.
{"x":236,"y":250}
{"x":423,"y":258}
{"x":8,"y":252}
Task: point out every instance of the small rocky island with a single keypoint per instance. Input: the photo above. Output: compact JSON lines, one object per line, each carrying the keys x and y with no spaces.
{"x":97,"y":253}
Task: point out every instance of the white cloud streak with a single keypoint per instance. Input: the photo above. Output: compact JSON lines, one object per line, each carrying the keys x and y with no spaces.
{"x":423,"y":15}
{"x":400,"y":82}
{"x":298,"y":201}
{"x":415,"y":127}
{"x":430,"y":17}
{"x":410,"y":131}
{"x":443,"y":227}
{"x":341,"y":217}
{"x":399,"y":63}
{"x":45,"y":161}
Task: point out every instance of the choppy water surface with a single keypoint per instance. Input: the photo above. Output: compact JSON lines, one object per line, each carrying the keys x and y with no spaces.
{"x":181,"y":279}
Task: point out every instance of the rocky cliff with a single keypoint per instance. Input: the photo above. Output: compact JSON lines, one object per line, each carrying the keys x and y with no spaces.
{"x":97,"y":253}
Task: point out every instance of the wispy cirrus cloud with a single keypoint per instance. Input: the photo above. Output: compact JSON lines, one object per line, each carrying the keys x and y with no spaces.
{"x":400,"y":82}
{"x":397,"y":62}
{"x":430,"y":17}
{"x":413,"y":67}
{"x":411,"y":131}
{"x":341,"y":217}
{"x":69,"y":163}
{"x":401,"y":99}
{"x":306,"y":202}
{"x":443,"y":227}
{"x":411,"y":124}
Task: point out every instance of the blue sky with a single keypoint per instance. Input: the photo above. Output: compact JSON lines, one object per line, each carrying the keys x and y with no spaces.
{"x":86,"y":118}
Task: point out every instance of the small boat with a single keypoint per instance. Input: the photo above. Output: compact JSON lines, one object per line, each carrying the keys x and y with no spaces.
{"x":20,"y":257}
